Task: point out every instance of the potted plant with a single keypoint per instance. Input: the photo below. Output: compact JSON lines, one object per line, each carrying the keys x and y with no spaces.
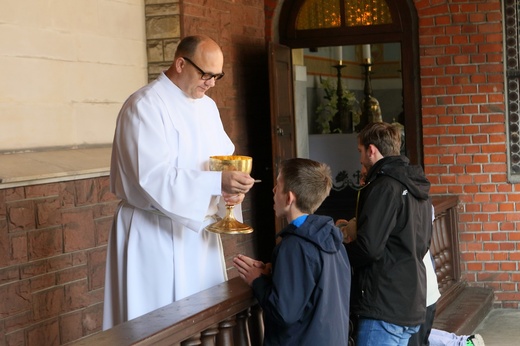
{"x":328,"y":118}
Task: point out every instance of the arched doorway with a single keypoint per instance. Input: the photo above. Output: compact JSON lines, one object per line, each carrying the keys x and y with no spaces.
{"x":321,"y":25}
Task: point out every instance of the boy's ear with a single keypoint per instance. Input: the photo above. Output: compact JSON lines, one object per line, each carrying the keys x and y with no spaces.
{"x":291,"y":198}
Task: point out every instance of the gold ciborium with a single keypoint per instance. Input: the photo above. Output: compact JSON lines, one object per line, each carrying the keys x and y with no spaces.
{"x":229,"y":225}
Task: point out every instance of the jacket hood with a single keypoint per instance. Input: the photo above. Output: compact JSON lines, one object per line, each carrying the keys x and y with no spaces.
{"x":319,"y":230}
{"x":399,"y":168}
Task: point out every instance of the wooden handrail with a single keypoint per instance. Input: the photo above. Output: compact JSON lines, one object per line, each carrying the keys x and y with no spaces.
{"x":181,"y":320}
{"x":228,"y":314}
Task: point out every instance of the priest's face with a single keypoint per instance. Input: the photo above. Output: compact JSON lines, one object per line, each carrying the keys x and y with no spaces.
{"x":202,"y":70}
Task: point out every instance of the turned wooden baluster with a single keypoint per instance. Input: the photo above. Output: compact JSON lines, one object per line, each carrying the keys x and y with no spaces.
{"x":193,"y":341}
{"x":225,"y":335}
{"x":208,"y":336}
{"x":256,"y":326}
{"x":241,"y":330}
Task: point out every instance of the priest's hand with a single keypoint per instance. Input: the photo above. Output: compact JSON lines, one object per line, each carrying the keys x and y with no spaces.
{"x":233,"y":199}
{"x":235,"y":182}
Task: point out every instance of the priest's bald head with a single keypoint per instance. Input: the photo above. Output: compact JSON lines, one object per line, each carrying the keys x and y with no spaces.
{"x":197,"y":65}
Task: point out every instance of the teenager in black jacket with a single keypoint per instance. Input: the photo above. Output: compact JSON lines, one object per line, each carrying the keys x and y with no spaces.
{"x":394,"y":228}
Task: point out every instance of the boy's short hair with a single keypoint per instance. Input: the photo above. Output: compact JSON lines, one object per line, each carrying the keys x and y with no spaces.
{"x":386,"y":138}
{"x":309,"y":180}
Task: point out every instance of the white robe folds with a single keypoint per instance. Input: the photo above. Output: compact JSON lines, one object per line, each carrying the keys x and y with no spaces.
{"x":158,"y":251}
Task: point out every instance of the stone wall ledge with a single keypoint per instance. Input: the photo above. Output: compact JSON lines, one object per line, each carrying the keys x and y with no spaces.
{"x":33,"y":168}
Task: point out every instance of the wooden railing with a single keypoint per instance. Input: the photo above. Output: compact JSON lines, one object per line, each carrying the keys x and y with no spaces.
{"x":224,"y":315}
{"x":445,"y":249}
{"x":461,"y":307}
{"x":228,"y":314}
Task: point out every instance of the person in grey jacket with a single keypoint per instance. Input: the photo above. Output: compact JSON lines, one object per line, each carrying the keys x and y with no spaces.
{"x":305,"y":291}
{"x":394,"y":228}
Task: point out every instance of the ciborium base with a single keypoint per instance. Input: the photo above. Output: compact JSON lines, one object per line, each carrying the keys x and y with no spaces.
{"x":229,"y":226}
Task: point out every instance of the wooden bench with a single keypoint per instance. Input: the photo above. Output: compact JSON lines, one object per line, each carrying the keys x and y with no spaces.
{"x":461,"y":307}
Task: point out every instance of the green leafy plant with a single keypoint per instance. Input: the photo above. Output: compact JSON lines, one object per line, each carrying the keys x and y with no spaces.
{"x":327,"y":110}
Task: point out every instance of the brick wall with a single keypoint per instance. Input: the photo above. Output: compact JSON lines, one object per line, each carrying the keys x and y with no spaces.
{"x":52,"y":260}
{"x":464,"y":128}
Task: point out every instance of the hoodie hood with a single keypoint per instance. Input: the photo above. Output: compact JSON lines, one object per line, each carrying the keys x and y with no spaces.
{"x":319,"y":230}
{"x":399,"y":168}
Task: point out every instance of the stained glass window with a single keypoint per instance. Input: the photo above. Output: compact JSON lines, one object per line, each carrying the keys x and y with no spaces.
{"x":320,"y":14}
{"x":367,"y":12}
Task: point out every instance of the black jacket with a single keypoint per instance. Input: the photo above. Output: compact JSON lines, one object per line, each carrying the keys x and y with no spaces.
{"x":306,"y":301}
{"x":394,"y":224}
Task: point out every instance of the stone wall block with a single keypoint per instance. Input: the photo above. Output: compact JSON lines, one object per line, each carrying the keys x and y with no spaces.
{"x":15,"y":298}
{"x":21,"y":215}
{"x":154,"y":50}
{"x":71,"y":326}
{"x":76,"y":296}
{"x":92,"y":318}
{"x":166,"y":9}
{"x":67,"y":193}
{"x":32,"y":269}
{"x":162,"y":27}
{"x":96,"y":268}
{"x":103,"y":227}
{"x":71,"y":274}
{"x":4,"y":244}
{"x":61,"y":262}
{"x":156,"y":2}
{"x":155,"y":69}
{"x":103,"y":188}
{"x":48,"y":212}
{"x":45,"y":243}
{"x":78,"y":226}
{"x":79,"y":258}
{"x":42,"y":282}
{"x":3,"y":213}
{"x":96,"y":296}
{"x":15,"y":339}
{"x":9,"y":274}
{"x":170,"y":46}
{"x":86,"y":192}
{"x":48,"y":303}
{"x":18,"y":248}
{"x":102,"y":210}
{"x":14,"y":194}
{"x":46,"y":333}
{"x":17,"y":322}
{"x":43,"y":190}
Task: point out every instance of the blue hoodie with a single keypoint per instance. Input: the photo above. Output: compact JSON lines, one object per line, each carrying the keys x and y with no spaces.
{"x":306,"y":300}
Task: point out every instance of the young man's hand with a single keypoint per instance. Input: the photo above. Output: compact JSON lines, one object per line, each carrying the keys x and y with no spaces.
{"x":348,"y":228}
{"x":250,"y":269}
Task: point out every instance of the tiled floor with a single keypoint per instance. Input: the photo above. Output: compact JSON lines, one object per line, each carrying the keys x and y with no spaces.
{"x":501,"y":327}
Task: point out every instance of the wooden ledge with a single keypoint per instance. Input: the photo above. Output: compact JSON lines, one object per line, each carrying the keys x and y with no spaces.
{"x":22,"y":169}
{"x":180,"y":320}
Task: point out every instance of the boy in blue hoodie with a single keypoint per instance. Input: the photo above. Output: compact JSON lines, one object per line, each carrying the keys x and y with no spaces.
{"x":305,"y":291}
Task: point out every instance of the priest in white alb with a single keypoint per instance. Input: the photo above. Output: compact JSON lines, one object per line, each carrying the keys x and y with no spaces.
{"x":158,"y":251}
